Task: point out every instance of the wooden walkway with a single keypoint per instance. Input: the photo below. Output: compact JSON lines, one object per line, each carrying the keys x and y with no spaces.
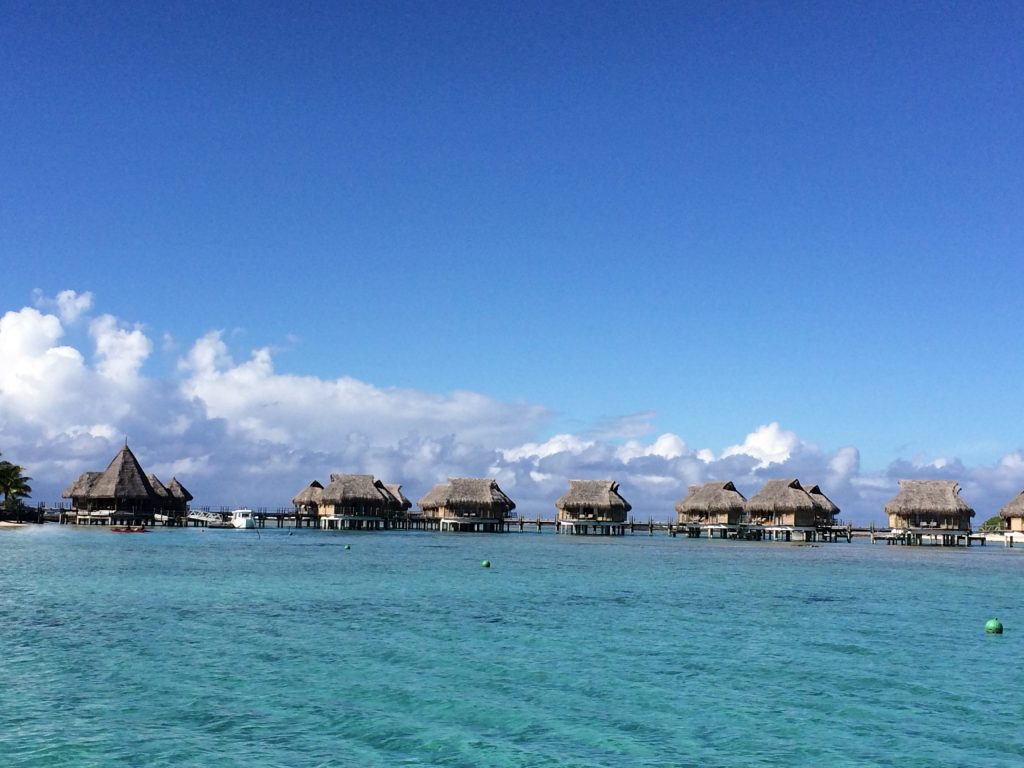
{"x":288,"y":518}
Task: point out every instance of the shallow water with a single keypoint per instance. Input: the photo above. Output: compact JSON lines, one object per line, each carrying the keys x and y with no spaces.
{"x":204,"y":647}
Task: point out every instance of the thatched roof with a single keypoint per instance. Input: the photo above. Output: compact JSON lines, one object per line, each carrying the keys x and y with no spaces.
{"x":158,"y":488}
{"x":477,"y":492}
{"x":474,"y":492}
{"x":823,"y":501}
{"x":1013,"y":508}
{"x":354,"y":489}
{"x":310,"y":495}
{"x":780,"y":496}
{"x":178,"y":491}
{"x":123,"y":480}
{"x":928,"y":497}
{"x":81,"y":487}
{"x":712,"y":498}
{"x":395,"y":489}
{"x":593,"y":494}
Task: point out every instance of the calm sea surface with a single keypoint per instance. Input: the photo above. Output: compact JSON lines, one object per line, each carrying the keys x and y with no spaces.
{"x":228,"y":648}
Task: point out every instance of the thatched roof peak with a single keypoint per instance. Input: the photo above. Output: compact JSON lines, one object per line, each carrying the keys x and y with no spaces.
{"x":1014,"y":507}
{"x":780,"y":496}
{"x":596,"y":494}
{"x":712,"y":498}
{"x":928,"y":496}
{"x":178,"y":491}
{"x":123,"y":479}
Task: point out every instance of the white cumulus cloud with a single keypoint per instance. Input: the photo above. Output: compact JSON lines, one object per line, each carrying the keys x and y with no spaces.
{"x":769,"y":444}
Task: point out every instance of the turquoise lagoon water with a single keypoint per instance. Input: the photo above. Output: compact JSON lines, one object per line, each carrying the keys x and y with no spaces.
{"x":224,"y":648}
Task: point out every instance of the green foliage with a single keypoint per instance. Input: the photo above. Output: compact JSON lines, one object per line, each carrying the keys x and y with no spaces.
{"x":13,"y":485}
{"x":994,"y":523}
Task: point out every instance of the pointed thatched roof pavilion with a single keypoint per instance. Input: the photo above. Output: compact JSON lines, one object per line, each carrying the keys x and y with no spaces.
{"x":123,"y":485}
{"x":468,"y":504}
{"x":714,"y":504}
{"x":592,"y":505}
{"x":929,"y":504}
{"x":124,"y":493}
{"x":1013,"y":513}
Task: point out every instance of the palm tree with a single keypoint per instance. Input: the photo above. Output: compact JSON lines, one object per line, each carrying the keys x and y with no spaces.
{"x":13,"y":485}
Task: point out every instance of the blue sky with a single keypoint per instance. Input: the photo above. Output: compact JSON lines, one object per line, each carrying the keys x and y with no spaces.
{"x":623,"y":220}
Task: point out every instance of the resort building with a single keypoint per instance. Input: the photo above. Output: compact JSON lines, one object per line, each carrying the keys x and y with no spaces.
{"x":715,"y":508}
{"x":307,"y":501}
{"x":467,"y":504}
{"x":929,"y":508}
{"x":783,"y":510}
{"x":123,"y":493}
{"x":592,"y":506}
{"x":1013,"y":513}
{"x":357,"y":502}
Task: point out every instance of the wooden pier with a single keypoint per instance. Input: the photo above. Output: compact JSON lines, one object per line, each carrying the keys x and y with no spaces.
{"x":917,"y":537}
{"x":290,"y":518}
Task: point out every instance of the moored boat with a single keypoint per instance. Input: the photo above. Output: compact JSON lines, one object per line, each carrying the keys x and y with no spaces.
{"x":242,"y":518}
{"x":129,"y":529}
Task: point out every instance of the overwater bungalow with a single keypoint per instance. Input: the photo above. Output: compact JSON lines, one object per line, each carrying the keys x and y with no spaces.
{"x":79,"y":490}
{"x":431,"y":504}
{"x":715,"y":508}
{"x":592,"y":506}
{"x":467,"y":504}
{"x":122,"y":493}
{"x":1013,"y":513}
{"x":180,"y":497}
{"x":930,"y":509}
{"x":308,"y":500}
{"x":356,"y":502}
{"x":827,"y":510}
{"x":782,"y":509}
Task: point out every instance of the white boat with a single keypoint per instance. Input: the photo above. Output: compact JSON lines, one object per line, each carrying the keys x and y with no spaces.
{"x":242,"y":518}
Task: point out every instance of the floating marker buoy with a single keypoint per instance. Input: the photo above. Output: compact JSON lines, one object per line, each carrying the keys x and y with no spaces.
{"x":348,"y":546}
{"x":486,"y":563}
{"x":994,"y":627}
